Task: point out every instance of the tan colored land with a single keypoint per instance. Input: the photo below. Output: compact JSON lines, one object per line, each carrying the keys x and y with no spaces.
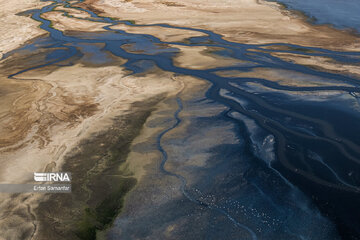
{"x":164,"y":34}
{"x":284,"y":77}
{"x":63,"y":23}
{"x":245,"y":21}
{"x":73,"y":12}
{"x":47,"y":114}
{"x":44,"y":116}
{"x":15,"y":30}
{"x":321,"y":62}
{"x":200,"y":58}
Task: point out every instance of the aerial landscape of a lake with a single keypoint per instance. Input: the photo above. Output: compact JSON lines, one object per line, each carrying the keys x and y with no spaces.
{"x":179,"y":120}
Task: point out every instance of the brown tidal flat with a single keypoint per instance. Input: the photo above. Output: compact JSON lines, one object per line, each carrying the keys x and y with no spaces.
{"x":199,"y":57}
{"x":64,"y":23}
{"x":15,"y":29}
{"x":244,"y":21}
{"x":284,"y":77}
{"x":164,"y":34}
{"x":47,"y":113}
{"x":319,"y":62}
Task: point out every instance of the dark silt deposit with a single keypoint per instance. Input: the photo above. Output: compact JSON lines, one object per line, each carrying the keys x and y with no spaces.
{"x":247,"y":158}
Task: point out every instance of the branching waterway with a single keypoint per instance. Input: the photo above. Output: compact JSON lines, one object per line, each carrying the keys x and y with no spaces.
{"x":299,"y":127}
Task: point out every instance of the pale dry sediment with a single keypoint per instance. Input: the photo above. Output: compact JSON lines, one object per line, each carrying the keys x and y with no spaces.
{"x":200,"y":57}
{"x":284,"y":77}
{"x":63,"y":108}
{"x":163,"y":33}
{"x":322,"y":63}
{"x":245,"y":21}
{"x":66,"y":106}
{"x":73,"y":12}
{"x":15,"y":30}
{"x":63,"y":23}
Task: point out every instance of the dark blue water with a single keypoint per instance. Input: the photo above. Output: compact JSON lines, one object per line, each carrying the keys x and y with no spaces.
{"x":343,"y":14}
{"x":299,"y":157}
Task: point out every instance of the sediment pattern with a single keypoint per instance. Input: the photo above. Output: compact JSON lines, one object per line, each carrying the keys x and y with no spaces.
{"x":217,"y":139}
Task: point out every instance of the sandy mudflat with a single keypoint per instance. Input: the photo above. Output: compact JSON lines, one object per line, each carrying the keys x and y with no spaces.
{"x":199,"y":58}
{"x":243,"y":21}
{"x":14,"y":29}
{"x":321,"y":62}
{"x":284,"y":77}
{"x":48,"y":115}
{"x":164,"y":34}
{"x":246,"y":21}
{"x":63,"y":23}
{"x":60,"y":109}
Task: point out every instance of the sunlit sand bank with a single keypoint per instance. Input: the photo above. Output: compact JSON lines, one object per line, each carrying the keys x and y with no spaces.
{"x":15,"y":29}
{"x":246,"y":21}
